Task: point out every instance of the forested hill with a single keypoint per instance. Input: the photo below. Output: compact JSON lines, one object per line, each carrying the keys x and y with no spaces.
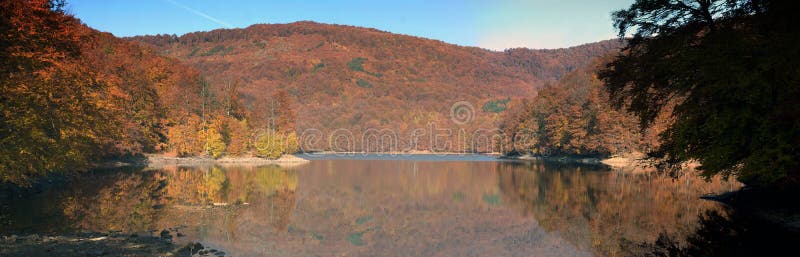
{"x":71,"y":95}
{"x":359,"y":78}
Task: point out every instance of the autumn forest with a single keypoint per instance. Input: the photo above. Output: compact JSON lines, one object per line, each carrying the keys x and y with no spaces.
{"x":677,"y":137}
{"x":73,"y":95}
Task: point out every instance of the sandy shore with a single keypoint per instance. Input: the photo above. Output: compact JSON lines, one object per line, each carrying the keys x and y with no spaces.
{"x":155,"y":161}
{"x":630,"y":163}
{"x":158,"y":160}
{"x":414,"y":152}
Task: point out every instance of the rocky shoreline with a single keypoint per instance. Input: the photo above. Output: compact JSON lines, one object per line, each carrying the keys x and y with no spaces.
{"x":630,"y":162}
{"x":100,"y":244}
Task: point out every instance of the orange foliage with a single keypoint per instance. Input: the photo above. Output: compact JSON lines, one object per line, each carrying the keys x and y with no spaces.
{"x":360,"y":79}
{"x":573,"y":117}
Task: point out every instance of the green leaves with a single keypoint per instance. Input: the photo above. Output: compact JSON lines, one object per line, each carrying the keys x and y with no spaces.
{"x":496,"y":106}
{"x":363,"y":83}
{"x":356,"y":64}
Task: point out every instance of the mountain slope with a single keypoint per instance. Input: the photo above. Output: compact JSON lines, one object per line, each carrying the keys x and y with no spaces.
{"x":358,"y":79}
{"x":71,"y":95}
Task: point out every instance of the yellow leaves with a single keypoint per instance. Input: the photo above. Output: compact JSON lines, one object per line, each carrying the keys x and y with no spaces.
{"x":214,"y":145}
{"x":270,"y":179}
{"x":214,"y":184}
{"x":292,"y":143}
{"x":270,"y":145}
{"x":273,"y":145}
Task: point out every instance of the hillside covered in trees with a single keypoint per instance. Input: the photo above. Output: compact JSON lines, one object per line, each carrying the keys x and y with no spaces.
{"x":574,"y":116}
{"x":73,"y":96}
{"x":349,"y":81}
{"x":70,"y":96}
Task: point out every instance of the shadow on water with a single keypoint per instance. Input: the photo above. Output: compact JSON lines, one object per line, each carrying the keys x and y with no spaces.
{"x":137,"y":200}
{"x":754,"y":222}
{"x":723,"y":233}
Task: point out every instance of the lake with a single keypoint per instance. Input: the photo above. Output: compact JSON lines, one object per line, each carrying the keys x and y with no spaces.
{"x":356,"y":205}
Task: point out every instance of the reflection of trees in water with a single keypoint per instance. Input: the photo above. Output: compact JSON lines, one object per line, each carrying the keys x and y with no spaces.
{"x":275,"y":208}
{"x":141,"y":200}
{"x":267,"y":191}
{"x":724,"y":233}
{"x":115,"y":200}
{"x":598,"y":209}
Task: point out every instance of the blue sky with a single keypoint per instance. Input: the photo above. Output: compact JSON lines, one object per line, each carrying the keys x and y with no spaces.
{"x":491,"y":24}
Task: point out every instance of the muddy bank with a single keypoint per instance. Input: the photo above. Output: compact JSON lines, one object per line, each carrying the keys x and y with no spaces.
{"x":99,"y":244}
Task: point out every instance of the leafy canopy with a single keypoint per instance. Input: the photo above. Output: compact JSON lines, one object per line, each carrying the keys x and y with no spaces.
{"x":728,"y":71}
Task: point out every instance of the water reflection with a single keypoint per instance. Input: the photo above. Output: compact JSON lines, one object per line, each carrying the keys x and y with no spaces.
{"x":726,"y":233}
{"x":601,"y":209}
{"x":374,"y":207}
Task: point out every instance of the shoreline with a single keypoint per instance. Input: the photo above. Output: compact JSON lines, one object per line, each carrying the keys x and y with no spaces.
{"x":101,"y":244}
{"x":632,"y":162}
{"x":160,"y":160}
{"x":415,"y":152}
{"x":628,"y":162}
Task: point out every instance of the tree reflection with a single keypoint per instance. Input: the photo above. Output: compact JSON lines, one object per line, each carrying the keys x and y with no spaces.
{"x":129,"y":201}
{"x":134,"y":201}
{"x":597,"y":208}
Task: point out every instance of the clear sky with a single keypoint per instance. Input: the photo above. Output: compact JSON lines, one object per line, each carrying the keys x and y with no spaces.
{"x":491,"y":24}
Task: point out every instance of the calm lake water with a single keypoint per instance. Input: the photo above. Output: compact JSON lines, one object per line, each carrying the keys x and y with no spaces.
{"x":379,"y":205}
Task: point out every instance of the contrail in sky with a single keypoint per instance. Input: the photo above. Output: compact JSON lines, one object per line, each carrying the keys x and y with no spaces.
{"x":199,"y":13}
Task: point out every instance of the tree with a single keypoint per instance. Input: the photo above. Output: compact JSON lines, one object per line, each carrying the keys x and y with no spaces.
{"x":269,"y":145}
{"x":292,"y":143}
{"x":214,"y":145}
{"x":273,"y":145}
{"x":240,"y":141}
{"x":231,"y":103}
{"x":729,"y":70}
{"x":282,"y":114}
{"x":184,"y":138}
{"x":53,"y":114}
